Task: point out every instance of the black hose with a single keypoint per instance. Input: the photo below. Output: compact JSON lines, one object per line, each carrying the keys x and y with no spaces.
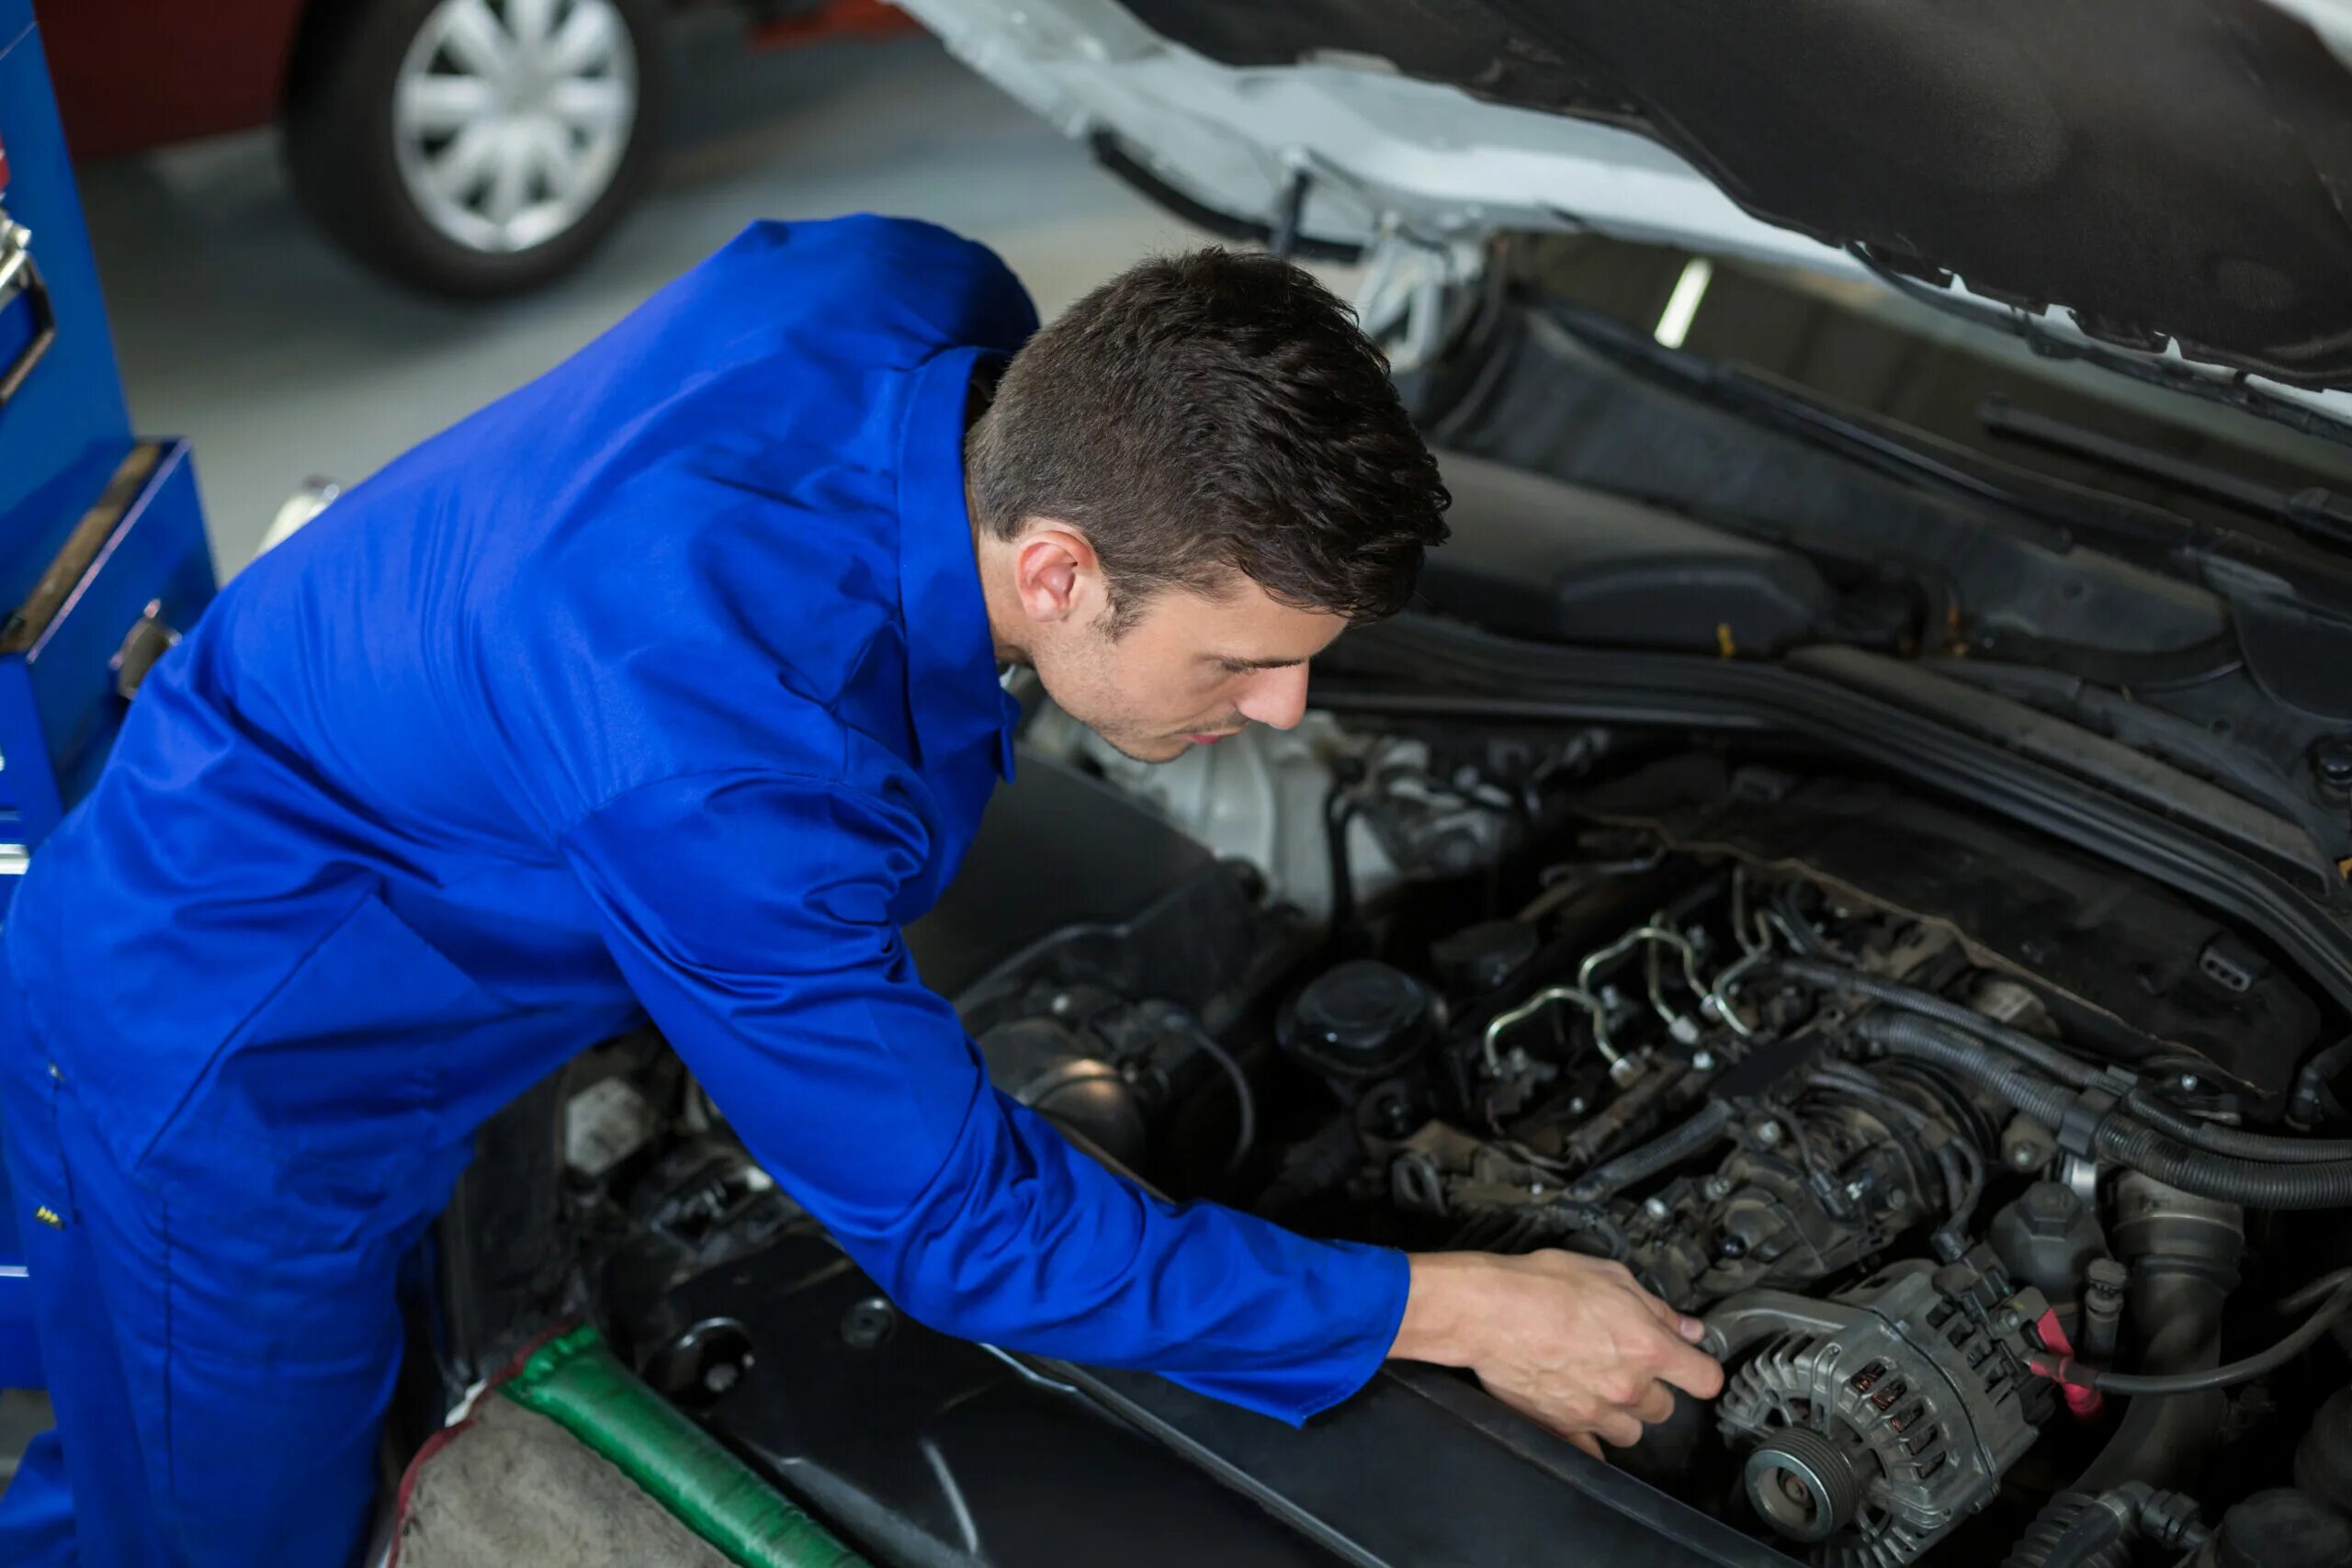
{"x":2082,"y":1530}
{"x":2314,"y":1099}
{"x":2223,"y":1177}
{"x":1662,"y":1153}
{"x":1340,"y":809}
{"x":2054,"y":1060}
{"x":2261,"y":1364}
{"x":2041,"y":1053}
{"x":2234,"y":1141}
{"x":2119,"y":1137}
{"x":1963,"y":1206}
{"x":2183,"y":1261}
{"x":1801,"y":933}
{"x":1903,"y":1034}
{"x":1247,"y":1102}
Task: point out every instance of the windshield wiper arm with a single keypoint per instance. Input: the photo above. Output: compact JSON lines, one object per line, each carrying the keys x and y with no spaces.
{"x":2315,"y":511}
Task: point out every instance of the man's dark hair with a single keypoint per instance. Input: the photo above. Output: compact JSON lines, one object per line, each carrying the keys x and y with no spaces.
{"x":1208,"y":414}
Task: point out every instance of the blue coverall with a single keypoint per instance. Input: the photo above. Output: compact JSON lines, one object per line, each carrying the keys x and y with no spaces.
{"x":663,"y":686}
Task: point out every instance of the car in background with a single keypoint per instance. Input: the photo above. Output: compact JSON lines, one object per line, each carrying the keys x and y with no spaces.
{"x":468,"y":148}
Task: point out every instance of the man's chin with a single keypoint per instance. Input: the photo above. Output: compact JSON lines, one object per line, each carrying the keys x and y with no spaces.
{"x":1156,"y":750}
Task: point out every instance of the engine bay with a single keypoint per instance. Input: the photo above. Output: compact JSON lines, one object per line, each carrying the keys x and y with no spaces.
{"x":1924,"y":1117}
{"x":2008,"y":1183}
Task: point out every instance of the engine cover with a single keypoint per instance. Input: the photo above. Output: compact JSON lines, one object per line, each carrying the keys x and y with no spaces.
{"x":1875,"y":1421}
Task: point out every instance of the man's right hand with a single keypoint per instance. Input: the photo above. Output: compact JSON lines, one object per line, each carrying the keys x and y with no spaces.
{"x":1567,"y":1340}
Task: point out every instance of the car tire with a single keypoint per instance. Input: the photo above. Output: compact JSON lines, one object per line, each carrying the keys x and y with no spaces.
{"x":459,"y":170}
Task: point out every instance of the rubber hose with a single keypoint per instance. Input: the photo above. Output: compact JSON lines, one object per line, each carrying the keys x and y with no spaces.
{"x":2177,"y":1296}
{"x":2220,"y":1177}
{"x":1340,"y":808}
{"x":2040,"y":1053}
{"x":2257,"y":1365}
{"x":1694,"y":1136}
{"x":1967,"y":1196}
{"x":1902,"y":1035}
{"x":2086,"y":1530}
{"x":2118,"y":1137}
{"x":2231,"y":1141}
{"x":2237,"y":1142}
{"x":2074,"y":1529}
{"x":1246,"y":1102}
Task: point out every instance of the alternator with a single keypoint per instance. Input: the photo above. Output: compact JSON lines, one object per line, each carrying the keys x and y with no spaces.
{"x":1874,"y":1422}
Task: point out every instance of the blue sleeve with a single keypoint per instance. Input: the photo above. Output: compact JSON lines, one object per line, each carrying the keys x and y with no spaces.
{"x":752,"y":913}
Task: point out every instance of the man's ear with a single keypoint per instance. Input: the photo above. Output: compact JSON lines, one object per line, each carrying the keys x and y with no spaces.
{"x":1055,"y":573}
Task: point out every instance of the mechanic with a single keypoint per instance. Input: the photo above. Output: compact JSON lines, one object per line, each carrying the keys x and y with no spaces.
{"x":668,"y":687}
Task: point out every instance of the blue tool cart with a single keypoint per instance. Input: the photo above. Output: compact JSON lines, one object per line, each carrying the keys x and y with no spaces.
{"x":103,"y":558}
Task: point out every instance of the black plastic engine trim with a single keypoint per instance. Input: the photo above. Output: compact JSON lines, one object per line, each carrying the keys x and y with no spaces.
{"x":1476,"y":675}
{"x":1422,"y":1468}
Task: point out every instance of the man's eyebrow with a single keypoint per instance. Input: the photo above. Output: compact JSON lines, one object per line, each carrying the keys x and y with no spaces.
{"x":1234,"y":663}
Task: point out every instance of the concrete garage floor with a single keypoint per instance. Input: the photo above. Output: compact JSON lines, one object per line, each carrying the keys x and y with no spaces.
{"x":238,"y":326}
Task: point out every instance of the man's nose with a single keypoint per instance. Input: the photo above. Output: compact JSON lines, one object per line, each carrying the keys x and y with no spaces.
{"x":1276,"y":698}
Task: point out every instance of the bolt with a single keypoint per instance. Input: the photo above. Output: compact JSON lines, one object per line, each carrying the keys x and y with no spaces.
{"x":1718,"y":1188}
{"x":1061,"y":1004}
{"x":1854,"y":1190}
{"x":1656,"y":1209}
{"x":1769,"y":1133}
{"x":1576,"y":1106}
{"x":1898,"y":1199}
{"x":2022,"y":1157}
{"x":1731,"y":1246}
{"x":721,"y":1376}
{"x":2008,"y":1321}
{"x":2332,"y":760}
{"x":868,"y":1323}
{"x":1536,"y":1190}
{"x":2188,"y":1084}
{"x":1704,"y":1062}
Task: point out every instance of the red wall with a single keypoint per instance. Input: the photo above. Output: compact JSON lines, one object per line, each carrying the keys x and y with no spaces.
{"x":134,"y":73}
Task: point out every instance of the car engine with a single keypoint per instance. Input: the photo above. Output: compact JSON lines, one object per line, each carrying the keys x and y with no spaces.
{"x":2008,"y":1183}
{"x":1921,"y":1115}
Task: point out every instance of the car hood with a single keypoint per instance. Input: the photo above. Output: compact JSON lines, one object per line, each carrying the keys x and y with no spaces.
{"x":2168,"y":176}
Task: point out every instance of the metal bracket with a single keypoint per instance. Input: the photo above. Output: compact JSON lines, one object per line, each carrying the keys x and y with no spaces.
{"x":1417,"y":292}
{"x":19,"y":276}
{"x":148,"y":639}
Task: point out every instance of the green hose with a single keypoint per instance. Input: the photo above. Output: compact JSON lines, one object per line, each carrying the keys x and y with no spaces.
{"x":577,"y":1382}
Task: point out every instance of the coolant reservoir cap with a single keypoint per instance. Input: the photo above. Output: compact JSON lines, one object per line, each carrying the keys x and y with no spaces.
{"x":2283,"y":1529}
{"x":1358,"y":1020}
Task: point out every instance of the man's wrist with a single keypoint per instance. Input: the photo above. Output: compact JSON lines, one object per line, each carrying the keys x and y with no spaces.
{"x":1440,"y":1310}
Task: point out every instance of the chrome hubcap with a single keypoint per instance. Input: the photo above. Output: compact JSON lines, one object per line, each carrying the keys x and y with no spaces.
{"x":511,"y":117}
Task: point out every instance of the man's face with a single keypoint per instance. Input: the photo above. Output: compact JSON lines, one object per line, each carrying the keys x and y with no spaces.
{"x":1187,"y":670}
